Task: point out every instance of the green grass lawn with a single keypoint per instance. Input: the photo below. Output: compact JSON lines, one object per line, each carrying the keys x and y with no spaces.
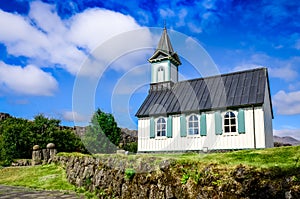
{"x":283,"y":157}
{"x":48,"y":177}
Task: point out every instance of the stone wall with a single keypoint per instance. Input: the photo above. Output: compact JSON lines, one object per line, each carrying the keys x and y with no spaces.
{"x":149,"y":177}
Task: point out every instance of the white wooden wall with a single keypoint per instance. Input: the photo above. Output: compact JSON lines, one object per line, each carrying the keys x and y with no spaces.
{"x":211,"y":141}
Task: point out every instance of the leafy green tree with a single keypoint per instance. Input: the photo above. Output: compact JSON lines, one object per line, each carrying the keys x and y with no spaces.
{"x":49,"y":131}
{"x":102,"y":135}
{"x":15,"y":139}
{"x":18,"y":136}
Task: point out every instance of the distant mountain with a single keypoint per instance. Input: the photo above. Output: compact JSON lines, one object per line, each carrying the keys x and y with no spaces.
{"x":286,"y":140}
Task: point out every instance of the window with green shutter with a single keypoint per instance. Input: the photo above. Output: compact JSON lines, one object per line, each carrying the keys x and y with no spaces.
{"x":241,"y":121}
{"x":218,"y":123}
{"x":229,"y":122}
{"x":169,"y":127}
{"x":152,"y":128}
{"x":182,"y":126}
{"x":203,"y":130}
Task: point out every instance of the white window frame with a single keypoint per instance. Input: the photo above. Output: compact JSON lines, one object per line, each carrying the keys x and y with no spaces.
{"x":161,"y":128}
{"x":229,"y":125}
{"x":188,"y":126}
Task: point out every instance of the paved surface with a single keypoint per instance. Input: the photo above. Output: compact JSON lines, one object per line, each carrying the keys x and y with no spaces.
{"x":9,"y":192}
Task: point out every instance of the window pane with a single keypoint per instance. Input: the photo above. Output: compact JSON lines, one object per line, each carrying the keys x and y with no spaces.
{"x":226,"y":121}
{"x":226,"y":115}
{"x":190,"y":124}
{"x":232,"y":121}
{"x":196,"y":124}
{"x":163,"y":133}
{"x":163,"y":126}
{"x":196,"y":131}
{"x":226,"y":129}
{"x":233,"y":129}
{"x":232,"y":114}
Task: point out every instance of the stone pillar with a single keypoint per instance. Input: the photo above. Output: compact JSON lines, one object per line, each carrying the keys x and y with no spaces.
{"x":52,"y":151}
{"x":36,"y":155}
{"x":46,"y":155}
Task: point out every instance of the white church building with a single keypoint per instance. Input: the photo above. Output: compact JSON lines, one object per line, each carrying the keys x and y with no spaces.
{"x":228,"y":111}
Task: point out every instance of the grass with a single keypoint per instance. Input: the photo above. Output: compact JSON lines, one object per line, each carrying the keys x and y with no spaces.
{"x":282,"y":157}
{"x":47,"y":177}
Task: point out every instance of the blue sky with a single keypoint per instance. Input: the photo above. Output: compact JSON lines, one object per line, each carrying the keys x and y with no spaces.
{"x":48,"y":49}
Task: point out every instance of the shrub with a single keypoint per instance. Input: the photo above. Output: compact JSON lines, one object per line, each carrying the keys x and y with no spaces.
{"x":129,"y":173}
{"x":131,"y":147}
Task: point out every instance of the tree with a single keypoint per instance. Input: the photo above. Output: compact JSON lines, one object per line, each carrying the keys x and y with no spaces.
{"x":48,"y":130}
{"x":18,"y":136}
{"x":102,"y":135}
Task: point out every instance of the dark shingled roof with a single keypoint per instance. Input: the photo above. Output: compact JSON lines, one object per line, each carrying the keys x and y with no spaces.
{"x":239,"y":89}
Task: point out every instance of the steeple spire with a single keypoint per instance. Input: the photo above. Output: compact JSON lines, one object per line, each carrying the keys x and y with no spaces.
{"x":165,"y":43}
{"x":164,"y":50}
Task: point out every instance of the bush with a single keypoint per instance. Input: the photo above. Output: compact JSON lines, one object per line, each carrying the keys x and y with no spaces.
{"x":131,"y":147}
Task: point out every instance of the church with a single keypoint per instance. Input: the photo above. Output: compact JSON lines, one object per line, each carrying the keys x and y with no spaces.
{"x":223,"y":112}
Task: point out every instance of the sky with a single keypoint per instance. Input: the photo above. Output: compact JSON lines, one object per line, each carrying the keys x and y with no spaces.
{"x":64,"y":59}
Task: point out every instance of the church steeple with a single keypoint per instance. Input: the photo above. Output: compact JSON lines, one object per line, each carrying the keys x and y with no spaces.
{"x":164,"y":64}
{"x":165,"y":50}
{"x":165,"y":43}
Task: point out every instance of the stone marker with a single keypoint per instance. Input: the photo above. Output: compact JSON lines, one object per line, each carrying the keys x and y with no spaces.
{"x":50,"y":146}
{"x":120,"y":151}
{"x":36,"y":155}
{"x":36,"y":147}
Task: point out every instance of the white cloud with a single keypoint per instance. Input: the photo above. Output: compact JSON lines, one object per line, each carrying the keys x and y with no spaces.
{"x":29,"y":80}
{"x":287,"y":103}
{"x":285,"y":73}
{"x":194,"y":28}
{"x":74,"y":116}
{"x":278,"y":68}
{"x":164,"y":13}
{"x":295,"y":133}
{"x":246,"y":67}
{"x":50,"y":41}
{"x":94,"y":26}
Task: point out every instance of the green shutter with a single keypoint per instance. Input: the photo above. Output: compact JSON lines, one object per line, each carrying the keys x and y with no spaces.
{"x":241,"y":121}
{"x":203,"y":130}
{"x":169,"y":127}
{"x":218,"y":123}
{"x":182,"y":126}
{"x":152,"y":128}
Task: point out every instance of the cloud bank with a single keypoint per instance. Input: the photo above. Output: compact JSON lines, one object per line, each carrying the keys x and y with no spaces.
{"x":45,"y":40}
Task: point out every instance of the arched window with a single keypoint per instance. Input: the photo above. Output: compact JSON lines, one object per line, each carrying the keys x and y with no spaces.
{"x":229,"y":122}
{"x":193,"y":125}
{"x":161,"y":127}
{"x":160,"y":74}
